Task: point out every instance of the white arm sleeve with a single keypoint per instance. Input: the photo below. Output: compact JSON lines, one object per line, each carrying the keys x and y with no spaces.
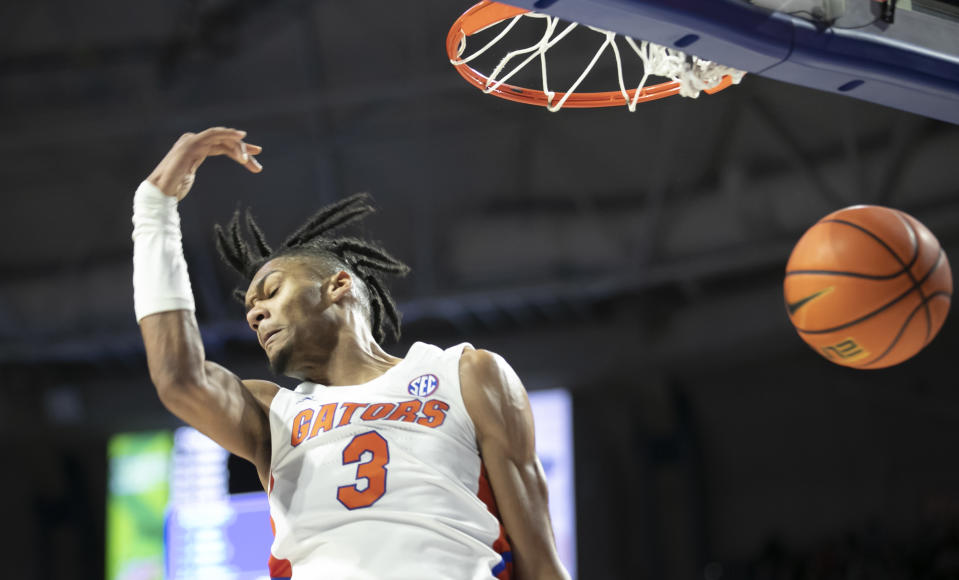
{"x":160,"y":280}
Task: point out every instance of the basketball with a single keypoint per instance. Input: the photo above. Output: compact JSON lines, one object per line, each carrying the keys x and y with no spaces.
{"x":867,"y":286}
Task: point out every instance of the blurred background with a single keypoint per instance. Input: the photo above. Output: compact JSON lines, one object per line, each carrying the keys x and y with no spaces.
{"x":632,"y":260}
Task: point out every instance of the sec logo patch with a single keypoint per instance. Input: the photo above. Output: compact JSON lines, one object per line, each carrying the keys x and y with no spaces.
{"x":423,"y":385}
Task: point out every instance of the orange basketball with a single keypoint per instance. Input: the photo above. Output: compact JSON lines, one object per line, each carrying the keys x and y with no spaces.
{"x":868,"y":286}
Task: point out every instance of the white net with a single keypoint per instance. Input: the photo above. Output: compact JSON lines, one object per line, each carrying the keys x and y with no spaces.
{"x":692,"y":73}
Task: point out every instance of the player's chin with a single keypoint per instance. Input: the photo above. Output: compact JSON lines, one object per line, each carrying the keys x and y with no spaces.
{"x":280,"y":360}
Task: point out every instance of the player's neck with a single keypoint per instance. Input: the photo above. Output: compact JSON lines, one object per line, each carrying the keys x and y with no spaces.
{"x":355,"y":363}
{"x":355,"y":358}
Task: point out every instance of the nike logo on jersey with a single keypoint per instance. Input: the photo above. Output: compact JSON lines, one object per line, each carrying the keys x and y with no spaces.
{"x":792,"y":307}
{"x":308,"y":423}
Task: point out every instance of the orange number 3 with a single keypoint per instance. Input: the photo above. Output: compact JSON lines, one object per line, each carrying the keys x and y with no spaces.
{"x":373,"y":471}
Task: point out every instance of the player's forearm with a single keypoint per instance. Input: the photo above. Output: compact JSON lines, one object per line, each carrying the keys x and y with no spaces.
{"x":174,"y":350}
{"x":525,"y":512}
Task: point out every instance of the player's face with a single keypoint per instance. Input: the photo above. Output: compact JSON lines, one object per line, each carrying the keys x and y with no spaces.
{"x":287,"y":309}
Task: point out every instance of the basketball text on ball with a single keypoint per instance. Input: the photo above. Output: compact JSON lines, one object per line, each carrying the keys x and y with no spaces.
{"x":794,"y":306}
{"x":847,"y":350}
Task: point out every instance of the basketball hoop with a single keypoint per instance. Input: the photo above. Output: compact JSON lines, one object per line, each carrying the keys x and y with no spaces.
{"x":689,"y":75}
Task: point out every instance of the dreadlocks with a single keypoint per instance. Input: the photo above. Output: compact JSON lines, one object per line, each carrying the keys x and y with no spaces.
{"x":363,"y":259}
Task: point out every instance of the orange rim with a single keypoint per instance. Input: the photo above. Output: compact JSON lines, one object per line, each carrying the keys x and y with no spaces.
{"x":487,"y":13}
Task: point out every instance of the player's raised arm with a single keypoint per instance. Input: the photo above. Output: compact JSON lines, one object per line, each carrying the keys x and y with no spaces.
{"x":497,"y":403}
{"x":205,"y":395}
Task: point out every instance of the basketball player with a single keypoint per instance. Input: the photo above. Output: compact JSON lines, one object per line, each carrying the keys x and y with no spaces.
{"x":376,"y":467}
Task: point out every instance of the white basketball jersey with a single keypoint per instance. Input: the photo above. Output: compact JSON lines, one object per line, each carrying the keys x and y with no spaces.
{"x":382,"y":480}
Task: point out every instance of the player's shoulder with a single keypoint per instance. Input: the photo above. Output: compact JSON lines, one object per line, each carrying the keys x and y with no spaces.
{"x":479,"y":360}
{"x":263,"y":391}
{"x":486,"y":371}
{"x":492,"y":392}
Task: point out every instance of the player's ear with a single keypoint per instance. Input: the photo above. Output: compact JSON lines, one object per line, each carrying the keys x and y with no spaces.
{"x":340,"y":285}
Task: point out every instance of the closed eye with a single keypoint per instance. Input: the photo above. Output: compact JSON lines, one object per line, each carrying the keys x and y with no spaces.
{"x":260,"y":286}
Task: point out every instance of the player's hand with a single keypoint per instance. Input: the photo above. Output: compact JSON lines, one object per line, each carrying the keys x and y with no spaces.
{"x":176,"y":172}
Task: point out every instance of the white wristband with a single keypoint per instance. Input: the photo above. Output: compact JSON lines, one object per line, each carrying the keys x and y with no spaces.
{"x":160,"y":280}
